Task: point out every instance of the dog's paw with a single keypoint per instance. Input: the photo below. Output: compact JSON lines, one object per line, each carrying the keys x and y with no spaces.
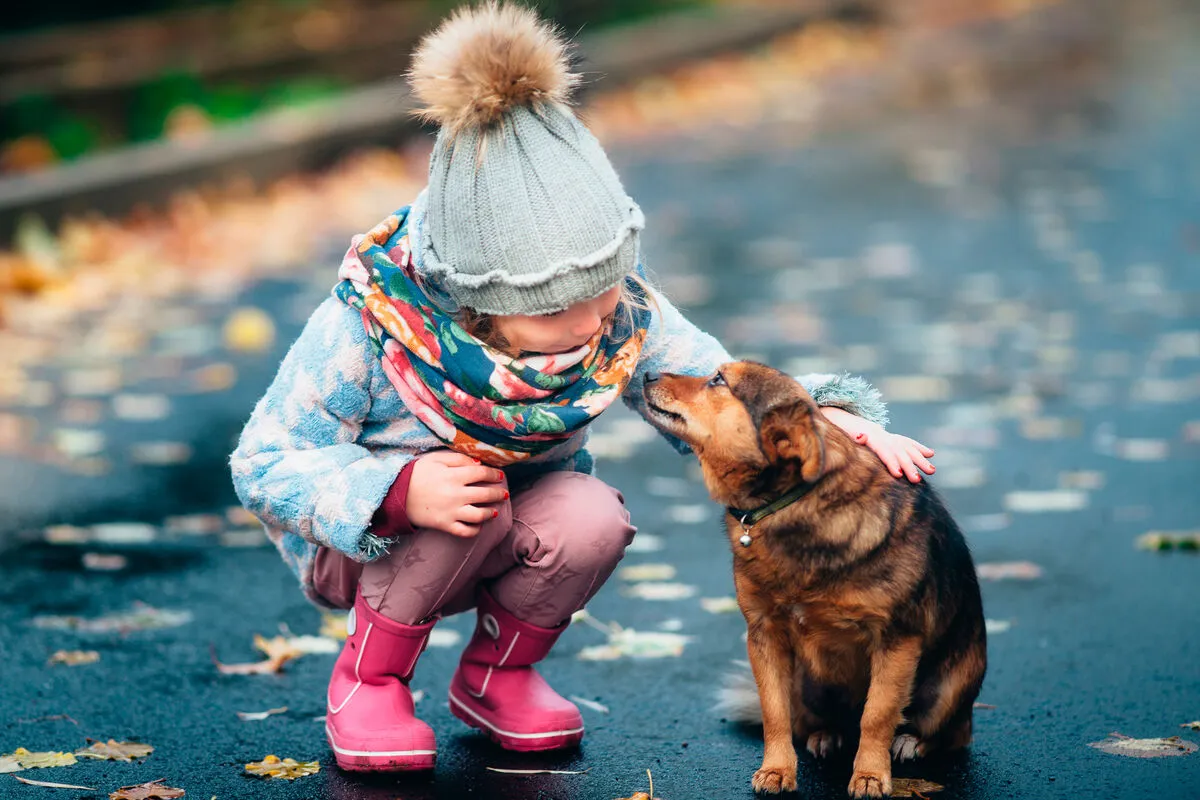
{"x":870,"y":784}
{"x":823,"y":744}
{"x":906,"y":747}
{"x":773,"y":780}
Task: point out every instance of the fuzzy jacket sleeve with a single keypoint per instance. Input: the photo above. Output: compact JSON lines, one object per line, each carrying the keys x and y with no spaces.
{"x":298,"y":466}
{"x":675,"y":345}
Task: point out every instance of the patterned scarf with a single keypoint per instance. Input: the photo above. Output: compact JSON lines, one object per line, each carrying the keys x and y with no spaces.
{"x":480,"y":401}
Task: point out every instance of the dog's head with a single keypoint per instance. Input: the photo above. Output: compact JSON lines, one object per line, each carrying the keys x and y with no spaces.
{"x":755,"y":430}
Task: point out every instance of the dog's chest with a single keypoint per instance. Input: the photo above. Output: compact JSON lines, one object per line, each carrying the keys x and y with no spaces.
{"x":832,"y":643}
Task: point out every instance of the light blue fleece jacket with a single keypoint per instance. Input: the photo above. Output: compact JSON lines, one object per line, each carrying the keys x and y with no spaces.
{"x":327,"y":440}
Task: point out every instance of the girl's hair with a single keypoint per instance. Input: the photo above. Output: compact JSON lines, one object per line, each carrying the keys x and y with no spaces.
{"x":482,"y":327}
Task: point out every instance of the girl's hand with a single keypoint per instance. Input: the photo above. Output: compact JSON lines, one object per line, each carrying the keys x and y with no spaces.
{"x":900,"y":454}
{"x":451,"y":492}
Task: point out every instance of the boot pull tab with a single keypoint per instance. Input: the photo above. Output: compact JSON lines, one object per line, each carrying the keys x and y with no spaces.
{"x":491,"y":627}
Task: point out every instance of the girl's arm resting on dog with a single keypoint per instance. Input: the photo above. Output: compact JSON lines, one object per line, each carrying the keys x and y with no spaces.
{"x":674,"y":345}
{"x":298,"y":466}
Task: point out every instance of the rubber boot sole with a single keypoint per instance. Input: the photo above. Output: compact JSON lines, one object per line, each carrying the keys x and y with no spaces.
{"x":510,"y":740}
{"x":381,"y":761}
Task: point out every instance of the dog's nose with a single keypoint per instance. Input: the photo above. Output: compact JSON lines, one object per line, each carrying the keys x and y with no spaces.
{"x":651,"y":377}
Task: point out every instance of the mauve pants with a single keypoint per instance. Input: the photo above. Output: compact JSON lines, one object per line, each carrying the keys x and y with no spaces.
{"x":554,"y":544}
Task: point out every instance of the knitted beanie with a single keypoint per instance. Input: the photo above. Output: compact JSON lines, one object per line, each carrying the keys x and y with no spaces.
{"x":523,"y":213}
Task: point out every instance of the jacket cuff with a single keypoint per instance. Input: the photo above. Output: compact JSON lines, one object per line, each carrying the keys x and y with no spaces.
{"x":850,"y":393}
{"x":391,"y":519}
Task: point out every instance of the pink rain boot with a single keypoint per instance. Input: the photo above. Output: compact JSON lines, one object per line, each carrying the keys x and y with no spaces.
{"x":370,"y":721}
{"x":496,"y":690}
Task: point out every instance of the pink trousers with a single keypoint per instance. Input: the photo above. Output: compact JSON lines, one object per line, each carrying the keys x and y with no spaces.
{"x":553,"y":545}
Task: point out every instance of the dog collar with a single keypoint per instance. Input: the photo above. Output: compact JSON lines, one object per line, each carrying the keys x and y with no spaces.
{"x":749,"y":519}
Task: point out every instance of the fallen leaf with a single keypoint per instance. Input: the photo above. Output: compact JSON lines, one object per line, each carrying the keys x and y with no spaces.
{"x":287,"y":769}
{"x":254,"y":716}
{"x":1121,"y":745}
{"x":443,"y":637}
{"x":626,"y":642}
{"x":141,"y":617}
{"x":154,"y":790}
{"x":9,"y":764}
{"x":49,"y":785}
{"x":313,"y":644}
{"x":1002,"y":570}
{"x":538,"y":771}
{"x":653,"y":590}
{"x":719,"y":605}
{"x":997,"y":625}
{"x":985,"y":706}
{"x":643,"y":795}
{"x":278,"y":650}
{"x":29,"y":760}
{"x":647,"y":572}
{"x":1195,"y":726}
{"x":592,"y":704}
{"x":73,"y":658}
{"x":914,"y":787}
{"x":1159,"y":540}
{"x":113,"y":750}
{"x":333,"y":626}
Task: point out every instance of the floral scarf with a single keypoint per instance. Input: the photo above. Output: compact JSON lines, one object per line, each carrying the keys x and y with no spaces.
{"x":480,"y":401}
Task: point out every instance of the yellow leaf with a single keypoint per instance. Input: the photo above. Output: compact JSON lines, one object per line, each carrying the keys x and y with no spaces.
{"x":113,"y":750}
{"x":333,"y":626}
{"x":73,"y":658}
{"x":9,"y":764}
{"x":29,"y":760}
{"x":287,"y":769}
{"x":279,"y":651}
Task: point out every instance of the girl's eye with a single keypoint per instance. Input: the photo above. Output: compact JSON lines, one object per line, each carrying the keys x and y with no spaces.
{"x":716,"y":380}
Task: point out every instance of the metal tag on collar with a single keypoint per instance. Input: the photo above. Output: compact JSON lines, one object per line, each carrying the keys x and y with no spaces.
{"x":745,"y":539}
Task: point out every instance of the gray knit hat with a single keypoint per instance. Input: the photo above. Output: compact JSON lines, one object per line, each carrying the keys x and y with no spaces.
{"x":523,"y":214}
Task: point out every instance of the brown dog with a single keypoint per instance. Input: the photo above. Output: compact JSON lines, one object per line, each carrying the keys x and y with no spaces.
{"x":862,"y":605}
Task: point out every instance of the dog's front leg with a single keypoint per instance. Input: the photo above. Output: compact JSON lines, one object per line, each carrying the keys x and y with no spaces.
{"x":771,"y":660}
{"x":893,"y":669}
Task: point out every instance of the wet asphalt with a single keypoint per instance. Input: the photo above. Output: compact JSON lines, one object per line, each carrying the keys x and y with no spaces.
{"x":1021,"y":278}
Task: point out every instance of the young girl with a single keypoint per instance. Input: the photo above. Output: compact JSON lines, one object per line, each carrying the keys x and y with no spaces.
{"x":421,"y":450}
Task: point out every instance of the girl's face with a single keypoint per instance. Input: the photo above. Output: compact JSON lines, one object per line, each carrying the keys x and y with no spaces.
{"x":559,"y":332}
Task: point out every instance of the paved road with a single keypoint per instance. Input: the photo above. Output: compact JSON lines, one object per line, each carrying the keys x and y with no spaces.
{"x":1020,"y":278}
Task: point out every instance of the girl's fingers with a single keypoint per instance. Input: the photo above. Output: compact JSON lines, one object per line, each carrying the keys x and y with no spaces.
{"x":463,"y":530}
{"x":484,"y":494}
{"x":474,"y":515}
{"x":478,"y":473}
{"x":450,"y":458}
{"x":918,"y":458}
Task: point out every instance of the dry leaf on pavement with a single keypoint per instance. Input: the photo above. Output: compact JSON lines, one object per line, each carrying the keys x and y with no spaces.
{"x":278,"y":650}
{"x":538,"y":771}
{"x":154,"y":790}
{"x":287,"y":768}
{"x":1195,"y":726}
{"x":49,"y":785}
{"x":29,"y":760}
{"x":112,"y":750}
{"x":1121,"y":745}
{"x":73,"y":658}
{"x":914,"y":787}
{"x":254,"y":716}
{"x":9,"y":764}
{"x":333,"y":626}
{"x":1004,"y":570}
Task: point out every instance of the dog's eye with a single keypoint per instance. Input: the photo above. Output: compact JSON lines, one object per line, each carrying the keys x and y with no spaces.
{"x":716,"y":380}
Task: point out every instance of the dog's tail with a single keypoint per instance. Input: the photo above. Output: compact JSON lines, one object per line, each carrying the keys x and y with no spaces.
{"x":737,"y":699}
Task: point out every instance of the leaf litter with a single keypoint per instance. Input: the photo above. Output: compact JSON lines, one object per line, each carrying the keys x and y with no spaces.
{"x":629,"y":643}
{"x":254,"y":716}
{"x":279,"y":650}
{"x":154,"y":790}
{"x":1195,"y":726}
{"x":74,"y":658}
{"x":1119,"y":744}
{"x":50,"y":785}
{"x":113,"y":750}
{"x":287,"y":769}
{"x":141,"y":617}
{"x":24,"y":759}
{"x":914,"y":787}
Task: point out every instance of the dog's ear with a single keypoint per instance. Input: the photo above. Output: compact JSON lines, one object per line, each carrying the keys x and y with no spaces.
{"x":785,"y":418}
{"x":792,"y":433}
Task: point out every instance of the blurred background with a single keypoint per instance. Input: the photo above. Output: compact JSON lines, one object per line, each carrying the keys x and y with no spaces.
{"x":989,"y":209}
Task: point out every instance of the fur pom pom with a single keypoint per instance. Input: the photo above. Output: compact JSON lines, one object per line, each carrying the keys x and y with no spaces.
{"x":485,"y":60}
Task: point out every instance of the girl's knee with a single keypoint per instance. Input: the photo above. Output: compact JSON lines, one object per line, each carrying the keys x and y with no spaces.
{"x":582,"y":521}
